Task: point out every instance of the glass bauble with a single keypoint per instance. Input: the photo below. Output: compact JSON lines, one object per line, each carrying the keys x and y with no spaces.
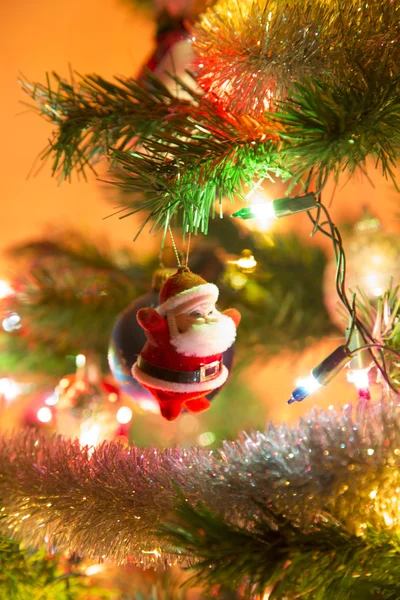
{"x":127,"y":341}
{"x":372,"y":261}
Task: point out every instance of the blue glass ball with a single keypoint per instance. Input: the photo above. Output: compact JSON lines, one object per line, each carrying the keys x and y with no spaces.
{"x":127,"y":341}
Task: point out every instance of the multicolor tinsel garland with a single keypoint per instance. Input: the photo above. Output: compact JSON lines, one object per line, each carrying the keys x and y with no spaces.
{"x":251,"y":52}
{"x":111,"y":501}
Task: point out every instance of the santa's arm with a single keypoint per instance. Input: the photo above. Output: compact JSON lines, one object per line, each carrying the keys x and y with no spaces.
{"x":154,"y":325}
{"x":233,"y":314}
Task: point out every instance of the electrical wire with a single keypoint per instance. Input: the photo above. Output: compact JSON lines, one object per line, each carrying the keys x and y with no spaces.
{"x":329,"y":229}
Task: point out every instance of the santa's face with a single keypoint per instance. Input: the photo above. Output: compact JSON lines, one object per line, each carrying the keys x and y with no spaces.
{"x":205,"y":313}
{"x":203,"y":331}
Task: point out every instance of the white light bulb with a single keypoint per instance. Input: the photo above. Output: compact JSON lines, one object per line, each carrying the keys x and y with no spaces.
{"x":11,"y":323}
{"x":264,"y":215}
{"x":372,"y":281}
{"x":44,"y":414}
{"x":359,"y":377}
{"x":149,"y":405}
{"x":263,"y":211}
{"x":5,"y":289}
{"x":52,"y":400}
{"x":247,"y":263}
{"x":304,"y":388}
{"x":308,"y":383}
{"x":80,"y":360}
{"x":124,"y":415}
{"x":90,"y":435}
{"x":9,"y":388}
{"x":94,"y":570}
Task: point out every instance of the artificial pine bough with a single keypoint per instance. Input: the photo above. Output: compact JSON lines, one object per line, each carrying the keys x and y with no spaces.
{"x":333,"y":68}
{"x":27,"y":575}
{"x":312,"y":510}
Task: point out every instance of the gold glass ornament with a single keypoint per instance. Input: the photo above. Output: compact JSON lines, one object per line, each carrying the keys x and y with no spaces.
{"x":372,"y":261}
{"x":89,"y":406}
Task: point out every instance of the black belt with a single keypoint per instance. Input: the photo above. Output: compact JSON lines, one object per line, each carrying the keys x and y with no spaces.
{"x":205,"y":373}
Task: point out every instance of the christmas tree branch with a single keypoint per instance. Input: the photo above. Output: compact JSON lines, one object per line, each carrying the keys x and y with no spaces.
{"x":382,"y":319}
{"x":93,"y":115}
{"x":26,"y":575}
{"x":182,"y":155}
{"x":67,"y":298}
{"x":191,"y":186}
{"x":339,"y":107}
{"x":334,"y":476}
{"x":186,"y":156}
{"x":324,"y":562}
{"x":331,"y":127}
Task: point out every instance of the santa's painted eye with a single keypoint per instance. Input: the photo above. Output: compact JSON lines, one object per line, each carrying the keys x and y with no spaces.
{"x":211,"y":312}
{"x":195,"y":313}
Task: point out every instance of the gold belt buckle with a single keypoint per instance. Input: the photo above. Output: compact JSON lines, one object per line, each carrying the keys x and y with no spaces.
{"x":205,"y":373}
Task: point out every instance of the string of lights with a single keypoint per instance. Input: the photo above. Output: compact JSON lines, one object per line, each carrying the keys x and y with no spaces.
{"x":358,"y":339}
{"x":340,"y":281}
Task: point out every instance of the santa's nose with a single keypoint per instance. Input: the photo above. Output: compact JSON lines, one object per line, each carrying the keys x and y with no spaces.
{"x":211,"y":319}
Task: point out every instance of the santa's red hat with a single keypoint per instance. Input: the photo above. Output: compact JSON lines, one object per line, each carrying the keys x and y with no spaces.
{"x":184,"y":287}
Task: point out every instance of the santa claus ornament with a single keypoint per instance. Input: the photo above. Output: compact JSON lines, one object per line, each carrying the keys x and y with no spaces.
{"x":182,"y":361}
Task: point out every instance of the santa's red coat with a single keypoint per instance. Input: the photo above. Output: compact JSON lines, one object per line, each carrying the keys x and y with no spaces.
{"x":159,"y":351}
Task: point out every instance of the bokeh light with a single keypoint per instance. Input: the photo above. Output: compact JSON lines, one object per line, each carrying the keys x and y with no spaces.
{"x":44,"y":414}
{"x":124,"y":415}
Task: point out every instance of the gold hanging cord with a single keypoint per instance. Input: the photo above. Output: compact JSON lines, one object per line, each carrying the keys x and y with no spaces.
{"x":180,"y":265}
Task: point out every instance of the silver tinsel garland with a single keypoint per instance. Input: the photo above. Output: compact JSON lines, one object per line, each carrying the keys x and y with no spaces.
{"x":110,"y":501}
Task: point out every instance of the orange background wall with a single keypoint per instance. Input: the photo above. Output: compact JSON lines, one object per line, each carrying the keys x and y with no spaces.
{"x":103,"y":36}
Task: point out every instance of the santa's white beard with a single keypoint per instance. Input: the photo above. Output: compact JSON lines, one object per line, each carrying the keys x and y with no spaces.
{"x":206,"y":339}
